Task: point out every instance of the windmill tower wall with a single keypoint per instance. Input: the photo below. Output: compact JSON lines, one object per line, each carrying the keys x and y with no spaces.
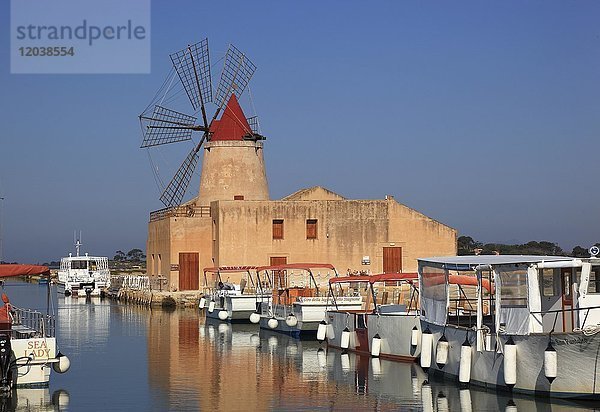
{"x":233,"y":169}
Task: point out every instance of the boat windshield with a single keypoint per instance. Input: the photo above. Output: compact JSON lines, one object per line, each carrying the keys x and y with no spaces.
{"x":79,"y":264}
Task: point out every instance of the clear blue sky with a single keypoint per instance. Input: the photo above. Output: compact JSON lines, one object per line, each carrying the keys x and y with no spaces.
{"x":482,"y":115}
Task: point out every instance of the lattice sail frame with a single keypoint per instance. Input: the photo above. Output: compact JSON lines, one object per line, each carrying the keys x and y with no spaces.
{"x":192,"y":65}
{"x":175,"y":190}
{"x":236,"y":74}
{"x":167,"y":126}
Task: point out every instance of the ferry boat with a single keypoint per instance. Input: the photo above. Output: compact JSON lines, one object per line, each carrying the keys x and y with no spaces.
{"x":83,"y":276}
{"x":531,"y":323}
{"x":299,"y":298}
{"x":28,"y":349}
{"x":233,"y":298}
{"x":390,"y":314}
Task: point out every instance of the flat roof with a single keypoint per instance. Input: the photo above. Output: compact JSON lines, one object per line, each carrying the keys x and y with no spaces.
{"x":475,"y":260}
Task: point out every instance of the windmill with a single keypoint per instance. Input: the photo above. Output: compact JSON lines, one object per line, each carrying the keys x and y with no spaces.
{"x":163,"y":126}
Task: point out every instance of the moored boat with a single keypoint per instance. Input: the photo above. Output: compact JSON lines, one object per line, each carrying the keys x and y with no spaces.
{"x":83,"y":276}
{"x":385,"y":326}
{"x":299,"y":297}
{"x":28,"y":349}
{"x":234,"y":298}
{"x":530,"y":323}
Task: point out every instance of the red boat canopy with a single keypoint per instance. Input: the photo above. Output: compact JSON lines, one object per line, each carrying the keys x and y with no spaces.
{"x":394,"y":277}
{"x":305,"y":266}
{"x":350,"y":279}
{"x":22,"y":270}
{"x":229,"y":269}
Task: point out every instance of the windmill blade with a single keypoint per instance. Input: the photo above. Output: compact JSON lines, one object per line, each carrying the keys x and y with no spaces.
{"x":237,"y":72}
{"x":253,"y":122}
{"x":193,"y":68}
{"x":175,"y":190}
{"x":167,"y":126}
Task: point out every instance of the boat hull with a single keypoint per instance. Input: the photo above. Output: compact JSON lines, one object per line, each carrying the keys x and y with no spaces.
{"x":394,"y":330}
{"x":577,"y":356}
{"x":81,"y":288}
{"x":238,"y":307}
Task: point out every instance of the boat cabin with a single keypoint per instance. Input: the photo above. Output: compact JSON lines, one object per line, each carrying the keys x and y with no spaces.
{"x":512,"y":295}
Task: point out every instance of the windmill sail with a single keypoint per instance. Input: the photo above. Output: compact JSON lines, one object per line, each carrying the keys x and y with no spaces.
{"x":175,"y":190}
{"x":237,"y":72}
{"x":167,"y":126}
{"x":192,"y":65}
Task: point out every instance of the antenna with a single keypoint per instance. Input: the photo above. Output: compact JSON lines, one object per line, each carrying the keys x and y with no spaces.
{"x":164,"y":126}
{"x":77,"y":241}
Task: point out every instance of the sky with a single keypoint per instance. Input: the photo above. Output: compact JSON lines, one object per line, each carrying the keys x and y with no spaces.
{"x":481,"y":115}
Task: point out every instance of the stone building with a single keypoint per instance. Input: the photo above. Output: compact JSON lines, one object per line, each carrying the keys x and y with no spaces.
{"x":233,"y":222}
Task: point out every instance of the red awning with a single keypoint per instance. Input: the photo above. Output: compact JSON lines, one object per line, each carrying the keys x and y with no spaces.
{"x":350,"y":279}
{"x":394,"y":277}
{"x":22,"y":270}
{"x":229,"y":269}
{"x":305,"y":266}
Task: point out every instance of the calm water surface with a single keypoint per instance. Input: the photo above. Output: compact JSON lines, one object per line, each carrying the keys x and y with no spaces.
{"x":128,"y":358}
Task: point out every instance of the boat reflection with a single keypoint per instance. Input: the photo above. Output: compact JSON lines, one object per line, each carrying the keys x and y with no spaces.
{"x":34,"y":400}
{"x":84,"y":322}
{"x":203,"y":364}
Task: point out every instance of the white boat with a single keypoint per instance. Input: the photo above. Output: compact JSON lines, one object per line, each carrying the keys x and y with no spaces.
{"x":28,"y":350}
{"x":230,"y":293}
{"x":299,"y":298}
{"x":530,"y":324}
{"x":385,"y":324}
{"x":83,"y":276}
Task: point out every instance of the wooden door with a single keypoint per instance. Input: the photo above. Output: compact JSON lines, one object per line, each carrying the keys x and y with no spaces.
{"x":279,"y":281}
{"x":392,"y":260}
{"x":189,"y":271}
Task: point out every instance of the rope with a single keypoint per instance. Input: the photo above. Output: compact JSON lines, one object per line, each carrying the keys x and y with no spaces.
{"x":589,"y":330}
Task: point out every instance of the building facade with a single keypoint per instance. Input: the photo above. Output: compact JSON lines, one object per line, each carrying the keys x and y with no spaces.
{"x":233,"y":222}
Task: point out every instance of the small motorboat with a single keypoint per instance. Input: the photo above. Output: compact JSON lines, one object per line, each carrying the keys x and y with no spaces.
{"x":28,"y":349}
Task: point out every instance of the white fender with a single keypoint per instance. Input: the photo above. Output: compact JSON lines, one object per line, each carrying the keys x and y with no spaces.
{"x":426,"y":347}
{"x":415,"y":336}
{"x":62,"y":365}
{"x":345,"y":339}
{"x":202,"y":303}
{"x":211,"y":306}
{"x":441,"y":352}
{"x":510,"y":363}
{"x":321,"y":331}
{"x":254,"y":317}
{"x":291,"y":320}
{"x":376,"y":345}
{"x":330,"y":332}
{"x":272,"y":323}
{"x":223,"y":315}
{"x":550,"y":363}
{"x":464,"y":374}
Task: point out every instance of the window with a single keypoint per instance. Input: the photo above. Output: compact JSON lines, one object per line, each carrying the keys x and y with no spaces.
{"x":594,"y":284}
{"x":238,"y":197}
{"x":548,"y":286}
{"x":277,"y":228}
{"x":311,"y":228}
{"x":513,"y":292}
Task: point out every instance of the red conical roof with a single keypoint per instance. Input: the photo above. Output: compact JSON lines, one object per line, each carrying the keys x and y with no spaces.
{"x":232,"y":125}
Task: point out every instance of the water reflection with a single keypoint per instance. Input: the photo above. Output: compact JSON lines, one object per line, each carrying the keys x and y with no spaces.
{"x":132,"y":358}
{"x":202,"y":364}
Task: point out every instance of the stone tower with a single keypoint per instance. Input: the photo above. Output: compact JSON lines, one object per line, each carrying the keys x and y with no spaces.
{"x":233,"y":166}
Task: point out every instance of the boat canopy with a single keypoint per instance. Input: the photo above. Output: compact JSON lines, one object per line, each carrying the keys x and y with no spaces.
{"x":304,"y":266}
{"x":22,"y":270}
{"x":228,"y":269}
{"x":473,"y":261}
{"x":351,"y":279}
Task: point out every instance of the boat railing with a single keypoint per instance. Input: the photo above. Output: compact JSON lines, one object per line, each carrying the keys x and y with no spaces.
{"x":583,"y":327}
{"x":180,"y":211}
{"x":141,"y":283}
{"x":32,"y":323}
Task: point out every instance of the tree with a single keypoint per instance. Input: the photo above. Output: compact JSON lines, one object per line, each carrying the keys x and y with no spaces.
{"x":120,"y":256}
{"x":466,"y":245}
{"x":136,"y":255}
{"x":578,"y":251}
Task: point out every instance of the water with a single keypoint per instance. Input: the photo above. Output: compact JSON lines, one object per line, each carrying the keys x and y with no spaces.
{"x":133,"y":358}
